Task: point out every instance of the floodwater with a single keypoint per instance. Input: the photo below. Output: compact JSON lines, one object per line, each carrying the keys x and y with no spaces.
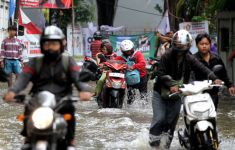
{"x":113,"y":129}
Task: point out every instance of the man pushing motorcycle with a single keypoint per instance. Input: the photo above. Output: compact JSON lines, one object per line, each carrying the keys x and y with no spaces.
{"x":53,"y":72}
{"x":136,"y":62}
{"x":177,"y":63}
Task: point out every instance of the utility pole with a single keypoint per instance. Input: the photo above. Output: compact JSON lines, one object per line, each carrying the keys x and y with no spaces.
{"x":73,"y":24}
{"x":17,"y":9}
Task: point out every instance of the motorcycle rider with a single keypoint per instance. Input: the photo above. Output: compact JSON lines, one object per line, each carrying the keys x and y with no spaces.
{"x":51,"y":77}
{"x":106,"y":53}
{"x":127,"y":48}
{"x":177,"y":62}
{"x":95,"y":45}
{"x":209,"y":59}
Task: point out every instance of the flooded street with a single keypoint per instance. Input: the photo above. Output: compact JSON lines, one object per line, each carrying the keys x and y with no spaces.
{"x":105,"y":129}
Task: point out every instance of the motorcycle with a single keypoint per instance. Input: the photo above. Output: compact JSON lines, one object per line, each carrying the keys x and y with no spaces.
{"x":199,"y":117}
{"x":113,"y":91}
{"x":46,"y":128}
{"x":90,"y":66}
{"x":151,"y":67}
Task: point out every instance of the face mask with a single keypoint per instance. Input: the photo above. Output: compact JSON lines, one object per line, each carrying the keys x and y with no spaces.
{"x":51,"y":55}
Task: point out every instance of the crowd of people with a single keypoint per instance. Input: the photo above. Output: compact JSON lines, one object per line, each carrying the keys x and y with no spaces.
{"x":52,"y":75}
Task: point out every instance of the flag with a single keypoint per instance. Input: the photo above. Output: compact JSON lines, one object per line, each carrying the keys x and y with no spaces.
{"x":11,"y":10}
{"x":164,"y":25}
{"x":29,"y":26}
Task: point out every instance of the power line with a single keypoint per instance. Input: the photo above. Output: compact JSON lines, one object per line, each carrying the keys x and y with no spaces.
{"x":139,"y":10}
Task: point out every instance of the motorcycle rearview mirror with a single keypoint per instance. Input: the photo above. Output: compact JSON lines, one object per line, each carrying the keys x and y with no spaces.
{"x":86,"y":75}
{"x":166,"y":78}
{"x":217,"y":69}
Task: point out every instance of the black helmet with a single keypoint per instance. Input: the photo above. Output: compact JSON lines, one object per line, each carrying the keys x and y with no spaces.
{"x":97,"y":35}
{"x":52,"y":33}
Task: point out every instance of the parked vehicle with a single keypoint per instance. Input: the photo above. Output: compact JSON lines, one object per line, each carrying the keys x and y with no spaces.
{"x":90,"y":65}
{"x":151,"y":67}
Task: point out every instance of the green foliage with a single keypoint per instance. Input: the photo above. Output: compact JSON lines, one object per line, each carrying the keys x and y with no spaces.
{"x":83,"y":11}
{"x":198,"y":18}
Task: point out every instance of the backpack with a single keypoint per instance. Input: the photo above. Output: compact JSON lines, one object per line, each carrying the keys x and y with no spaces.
{"x":65,"y":63}
{"x":132,"y":77}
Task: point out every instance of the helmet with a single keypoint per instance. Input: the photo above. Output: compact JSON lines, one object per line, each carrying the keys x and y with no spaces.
{"x":97,"y":35}
{"x":52,"y":33}
{"x":108,"y":46}
{"x":126,"y":45}
{"x":181,"y":40}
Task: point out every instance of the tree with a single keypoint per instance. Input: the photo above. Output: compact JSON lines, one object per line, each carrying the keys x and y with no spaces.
{"x":198,"y":10}
{"x":83,"y":13}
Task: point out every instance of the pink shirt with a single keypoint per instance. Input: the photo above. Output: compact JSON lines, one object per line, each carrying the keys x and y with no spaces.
{"x":11,"y":48}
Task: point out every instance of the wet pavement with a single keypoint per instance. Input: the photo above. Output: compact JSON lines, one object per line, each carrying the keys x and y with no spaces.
{"x":112,"y":129}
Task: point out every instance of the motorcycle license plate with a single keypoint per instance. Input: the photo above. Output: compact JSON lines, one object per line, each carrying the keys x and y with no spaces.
{"x":119,"y":75}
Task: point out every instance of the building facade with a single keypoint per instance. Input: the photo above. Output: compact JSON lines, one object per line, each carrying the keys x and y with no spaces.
{"x":4,"y":10}
{"x":226,"y":39}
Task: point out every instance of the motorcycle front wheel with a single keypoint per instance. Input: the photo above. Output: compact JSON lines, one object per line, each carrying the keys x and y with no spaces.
{"x":206,"y":140}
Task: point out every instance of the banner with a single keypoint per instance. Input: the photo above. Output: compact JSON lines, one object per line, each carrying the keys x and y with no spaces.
{"x":31,"y":38}
{"x":65,"y":4}
{"x":143,"y":42}
{"x":31,"y":46}
{"x":164,"y":25}
{"x":76,"y":36}
{"x":194,"y":28}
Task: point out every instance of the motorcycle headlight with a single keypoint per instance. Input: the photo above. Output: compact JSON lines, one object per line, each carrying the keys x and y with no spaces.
{"x":42,"y":117}
{"x":116,"y":85}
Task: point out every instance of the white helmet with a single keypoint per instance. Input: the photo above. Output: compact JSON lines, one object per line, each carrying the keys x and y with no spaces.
{"x":181,"y":40}
{"x":126,"y":45}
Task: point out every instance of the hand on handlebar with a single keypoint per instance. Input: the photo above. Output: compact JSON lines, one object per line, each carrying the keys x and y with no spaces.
{"x":9,"y":96}
{"x":218,"y":81}
{"x":174,"y":89}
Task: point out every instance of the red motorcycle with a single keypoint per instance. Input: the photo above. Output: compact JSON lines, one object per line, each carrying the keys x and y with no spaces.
{"x":113,"y":91}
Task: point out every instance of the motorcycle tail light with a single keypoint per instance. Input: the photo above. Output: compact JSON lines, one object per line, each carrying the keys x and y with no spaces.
{"x":20,"y":117}
{"x":86,"y":58}
{"x":67,"y":117}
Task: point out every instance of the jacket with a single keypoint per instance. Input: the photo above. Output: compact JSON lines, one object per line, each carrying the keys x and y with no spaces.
{"x":52,"y":77}
{"x":139,"y":63}
{"x":214,"y":60}
{"x":168,"y":66}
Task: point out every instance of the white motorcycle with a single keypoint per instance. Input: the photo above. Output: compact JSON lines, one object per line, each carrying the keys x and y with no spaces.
{"x":199,"y":116}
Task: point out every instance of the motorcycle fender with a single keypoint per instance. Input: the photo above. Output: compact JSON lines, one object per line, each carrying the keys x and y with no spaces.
{"x":203,"y":125}
{"x":114,"y":93}
{"x":42,"y":145}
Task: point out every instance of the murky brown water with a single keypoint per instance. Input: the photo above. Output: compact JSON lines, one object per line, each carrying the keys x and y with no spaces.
{"x":105,"y":129}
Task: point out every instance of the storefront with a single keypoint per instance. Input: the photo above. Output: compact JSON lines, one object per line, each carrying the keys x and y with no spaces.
{"x":226,"y":39}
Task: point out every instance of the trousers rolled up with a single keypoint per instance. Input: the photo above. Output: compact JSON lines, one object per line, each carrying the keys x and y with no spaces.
{"x":165,"y":117}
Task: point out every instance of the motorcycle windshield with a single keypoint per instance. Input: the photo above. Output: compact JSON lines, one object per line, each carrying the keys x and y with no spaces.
{"x":45,"y":99}
{"x":115,"y":64}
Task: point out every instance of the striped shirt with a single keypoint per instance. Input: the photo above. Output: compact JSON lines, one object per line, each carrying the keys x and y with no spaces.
{"x":95,"y":48}
{"x":11,"y":48}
